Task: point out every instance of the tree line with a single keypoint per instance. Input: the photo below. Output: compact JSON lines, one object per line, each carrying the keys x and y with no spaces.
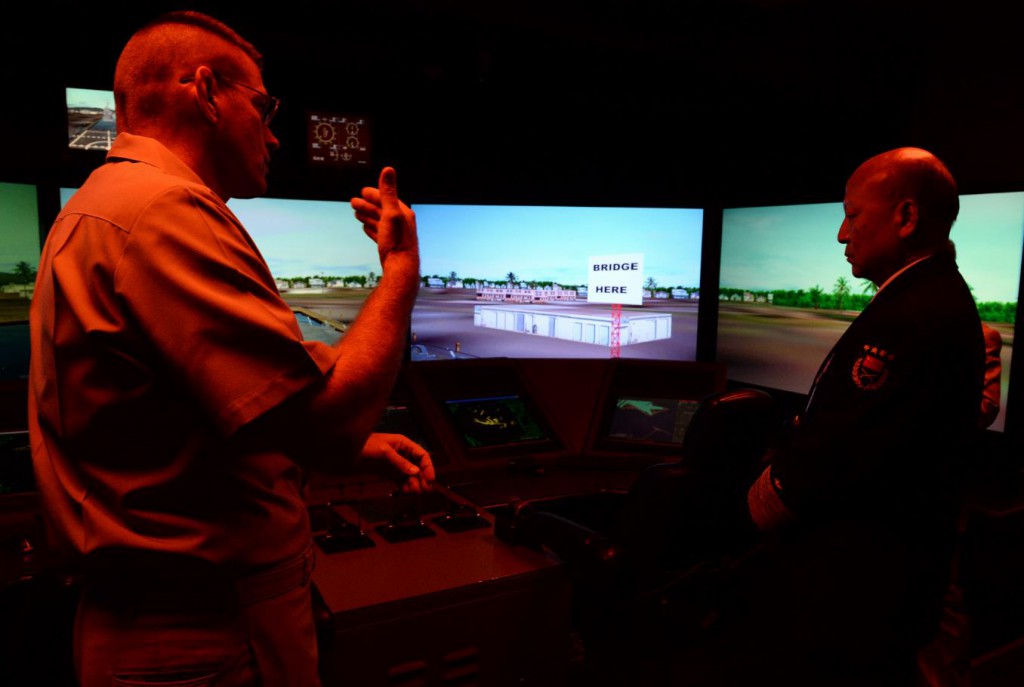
{"x":24,"y":273}
{"x":844,"y":297}
{"x":511,"y":279}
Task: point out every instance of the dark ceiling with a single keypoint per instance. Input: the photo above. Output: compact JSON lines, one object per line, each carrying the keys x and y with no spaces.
{"x":644,"y":102}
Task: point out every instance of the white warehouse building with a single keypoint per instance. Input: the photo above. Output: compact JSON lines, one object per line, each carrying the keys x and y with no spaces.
{"x":580,"y":324}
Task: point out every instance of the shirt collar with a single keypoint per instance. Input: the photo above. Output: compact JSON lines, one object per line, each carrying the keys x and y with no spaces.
{"x":900,"y":271}
{"x":151,"y":152}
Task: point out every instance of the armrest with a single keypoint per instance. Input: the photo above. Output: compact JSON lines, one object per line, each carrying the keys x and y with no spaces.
{"x":587,"y":554}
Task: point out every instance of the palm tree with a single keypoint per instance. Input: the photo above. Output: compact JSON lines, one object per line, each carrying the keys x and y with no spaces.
{"x":868,"y":286}
{"x":841,"y":292}
{"x":816,"y":294}
{"x":26,"y":273}
{"x":512,"y":278}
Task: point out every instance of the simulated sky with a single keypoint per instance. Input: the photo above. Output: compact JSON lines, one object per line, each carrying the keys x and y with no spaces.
{"x":19,"y":226}
{"x":88,"y":97}
{"x":552,"y":243}
{"x":795,"y":246}
{"x":303,"y":238}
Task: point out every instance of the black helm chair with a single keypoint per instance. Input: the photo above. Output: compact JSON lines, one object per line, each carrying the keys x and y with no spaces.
{"x":650,"y":577}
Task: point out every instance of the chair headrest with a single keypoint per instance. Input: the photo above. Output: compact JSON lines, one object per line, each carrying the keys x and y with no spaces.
{"x":731,"y":428}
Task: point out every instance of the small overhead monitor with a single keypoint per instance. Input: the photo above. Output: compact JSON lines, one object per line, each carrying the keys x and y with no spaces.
{"x":557,"y":282}
{"x":786,"y":293}
{"x":92,"y":122}
{"x":338,"y":140}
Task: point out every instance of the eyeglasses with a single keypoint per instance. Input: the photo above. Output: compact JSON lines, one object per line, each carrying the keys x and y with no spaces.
{"x":267,"y":105}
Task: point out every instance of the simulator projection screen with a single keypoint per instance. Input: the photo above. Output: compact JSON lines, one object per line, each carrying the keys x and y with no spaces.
{"x":786,"y":292}
{"x":19,"y":261}
{"x":502,"y":280}
{"x":323,"y":263}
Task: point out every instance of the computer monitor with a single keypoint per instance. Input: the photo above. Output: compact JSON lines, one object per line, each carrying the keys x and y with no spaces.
{"x":644,"y":410}
{"x":515,"y":280}
{"x":786,"y":293}
{"x":335,"y":139}
{"x":92,"y":124}
{"x":503,"y":419}
{"x":651,"y":420}
{"x":485,"y":412}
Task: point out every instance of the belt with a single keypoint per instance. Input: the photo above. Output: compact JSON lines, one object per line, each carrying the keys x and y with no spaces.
{"x":189,"y":586}
{"x":277,"y":580}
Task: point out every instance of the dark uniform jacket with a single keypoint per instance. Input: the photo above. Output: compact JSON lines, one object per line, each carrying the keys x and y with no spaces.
{"x":871,"y":469}
{"x":891,"y":406}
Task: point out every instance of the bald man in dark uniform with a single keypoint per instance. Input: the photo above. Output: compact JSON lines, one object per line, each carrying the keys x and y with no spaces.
{"x":859,"y":502}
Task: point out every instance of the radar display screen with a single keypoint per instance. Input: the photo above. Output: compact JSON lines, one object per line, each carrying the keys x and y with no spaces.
{"x":495,"y":421}
{"x":657,"y":420}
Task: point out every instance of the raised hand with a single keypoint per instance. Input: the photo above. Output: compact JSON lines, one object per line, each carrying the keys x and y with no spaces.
{"x":385,"y":218}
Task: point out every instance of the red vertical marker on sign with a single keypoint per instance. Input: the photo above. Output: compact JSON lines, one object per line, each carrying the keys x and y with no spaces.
{"x":616,"y":346}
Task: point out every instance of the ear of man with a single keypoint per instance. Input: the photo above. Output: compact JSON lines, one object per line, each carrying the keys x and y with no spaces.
{"x":204,"y":87}
{"x":908,"y":215}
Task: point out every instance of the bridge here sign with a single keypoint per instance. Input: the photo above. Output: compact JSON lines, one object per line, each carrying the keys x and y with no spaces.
{"x":616,"y":279}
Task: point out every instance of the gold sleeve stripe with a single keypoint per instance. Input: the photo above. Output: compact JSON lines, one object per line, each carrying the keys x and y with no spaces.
{"x":766,"y":508}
